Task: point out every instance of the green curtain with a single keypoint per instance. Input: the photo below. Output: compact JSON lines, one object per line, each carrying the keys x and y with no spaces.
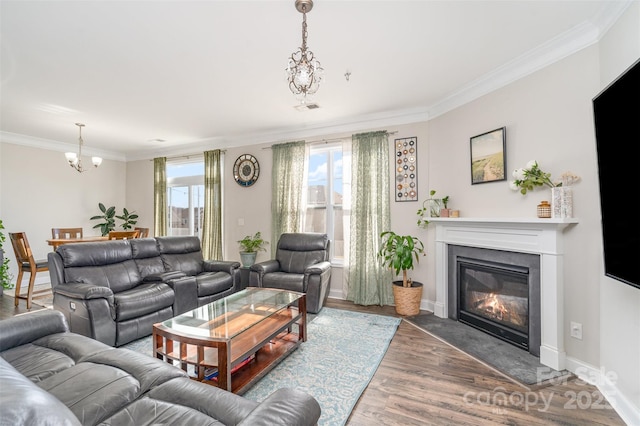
{"x":212,"y":226}
{"x":287,"y":182}
{"x":160,"y":196}
{"x":368,"y":282}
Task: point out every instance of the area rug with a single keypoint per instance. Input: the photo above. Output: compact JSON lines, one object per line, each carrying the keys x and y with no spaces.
{"x":336,"y":363}
{"x":514,"y":362}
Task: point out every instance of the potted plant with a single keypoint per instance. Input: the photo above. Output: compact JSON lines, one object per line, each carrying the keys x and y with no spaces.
{"x":109,"y":217}
{"x":398,"y":252}
{"x":5,"y":276}
{"x":432,"y":207}
{"x":249,"y":248}
{"x":128,"y":219}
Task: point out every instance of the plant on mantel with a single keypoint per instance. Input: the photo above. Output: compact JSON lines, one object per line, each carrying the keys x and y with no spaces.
{"x":532,"y":176}
{"x":431,"y":207}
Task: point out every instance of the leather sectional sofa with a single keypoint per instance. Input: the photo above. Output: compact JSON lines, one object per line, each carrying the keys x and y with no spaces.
{"x":50,"y":376}
{"x":114,"y":291}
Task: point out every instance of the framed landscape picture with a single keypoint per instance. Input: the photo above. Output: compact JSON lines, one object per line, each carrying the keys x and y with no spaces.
{"x":488,"y":156}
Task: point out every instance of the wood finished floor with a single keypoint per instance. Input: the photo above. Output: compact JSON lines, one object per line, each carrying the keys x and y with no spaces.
{"x":424,"y":381}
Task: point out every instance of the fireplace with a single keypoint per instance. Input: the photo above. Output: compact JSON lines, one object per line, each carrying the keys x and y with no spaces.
{"x":542,"y":238}
{"x":497,"y":292}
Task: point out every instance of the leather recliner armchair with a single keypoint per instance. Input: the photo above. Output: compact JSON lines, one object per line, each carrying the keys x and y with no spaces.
{"x":301,"y":264}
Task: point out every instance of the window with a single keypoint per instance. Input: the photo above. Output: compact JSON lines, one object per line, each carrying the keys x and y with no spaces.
{"x":324,"y":196}
{"x":185,"y":198}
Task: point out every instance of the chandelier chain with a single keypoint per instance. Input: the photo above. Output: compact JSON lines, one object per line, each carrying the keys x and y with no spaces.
{"x":304,"y":28}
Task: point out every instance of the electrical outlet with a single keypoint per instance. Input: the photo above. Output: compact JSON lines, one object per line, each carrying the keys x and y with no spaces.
{"x":576,"y":330}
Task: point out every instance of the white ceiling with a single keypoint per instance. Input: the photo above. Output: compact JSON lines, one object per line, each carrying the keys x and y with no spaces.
{"x":210,"y":73}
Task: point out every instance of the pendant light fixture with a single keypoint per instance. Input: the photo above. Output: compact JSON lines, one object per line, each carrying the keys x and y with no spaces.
{"x":304,"y":72}
{"x":75,"y":160}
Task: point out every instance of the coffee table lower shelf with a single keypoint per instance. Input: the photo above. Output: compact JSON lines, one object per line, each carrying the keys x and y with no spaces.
{"x":195,"y":355}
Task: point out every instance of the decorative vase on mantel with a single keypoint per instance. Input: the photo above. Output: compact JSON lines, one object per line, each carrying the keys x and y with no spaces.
{"x":562,"y":202}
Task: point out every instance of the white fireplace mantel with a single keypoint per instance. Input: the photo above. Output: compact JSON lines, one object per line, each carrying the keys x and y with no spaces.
{"x":523,"y":235}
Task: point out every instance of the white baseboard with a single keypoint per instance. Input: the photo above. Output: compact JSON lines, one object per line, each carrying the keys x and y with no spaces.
{"x":606,"y":384}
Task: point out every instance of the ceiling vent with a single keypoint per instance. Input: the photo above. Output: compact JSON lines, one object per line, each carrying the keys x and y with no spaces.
{"x":306,"y":107}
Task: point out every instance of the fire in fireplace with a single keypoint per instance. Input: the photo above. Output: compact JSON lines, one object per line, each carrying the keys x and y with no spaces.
{"x":497,"y":292}
{"x":495,"y":300}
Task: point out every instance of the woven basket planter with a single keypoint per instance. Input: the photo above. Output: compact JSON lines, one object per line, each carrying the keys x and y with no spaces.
{"x":407,"y":299}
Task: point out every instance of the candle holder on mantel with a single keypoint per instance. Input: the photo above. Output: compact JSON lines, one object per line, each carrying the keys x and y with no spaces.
{"x":544,"y":210}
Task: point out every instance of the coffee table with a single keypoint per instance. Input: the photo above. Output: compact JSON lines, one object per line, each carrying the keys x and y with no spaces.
{"x":250,"y":331}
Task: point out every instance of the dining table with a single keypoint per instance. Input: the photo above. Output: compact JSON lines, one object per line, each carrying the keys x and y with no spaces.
{"x":56,"y":242}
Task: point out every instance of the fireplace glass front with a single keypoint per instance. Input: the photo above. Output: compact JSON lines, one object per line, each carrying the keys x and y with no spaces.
{"x":495,"y":299}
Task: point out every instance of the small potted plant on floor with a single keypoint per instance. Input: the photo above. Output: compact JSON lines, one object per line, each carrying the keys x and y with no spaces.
{"x":249,"y":248}
{"x":399,"y":252}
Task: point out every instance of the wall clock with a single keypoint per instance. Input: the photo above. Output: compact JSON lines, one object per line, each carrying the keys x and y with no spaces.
{"x":246,"y":170}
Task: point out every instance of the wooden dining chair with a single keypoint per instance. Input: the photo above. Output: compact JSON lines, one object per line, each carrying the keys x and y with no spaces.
{"x":66,"y":233}
{"x":26,"y":262}
{"x":144,"y":232}
{"x":123,"y":235}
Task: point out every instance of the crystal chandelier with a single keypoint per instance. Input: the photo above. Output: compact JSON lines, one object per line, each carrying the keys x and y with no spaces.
{"x":75,"y":160}
{"x":304,"y":72}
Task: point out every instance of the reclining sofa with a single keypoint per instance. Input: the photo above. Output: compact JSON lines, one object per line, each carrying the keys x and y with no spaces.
{"x":50,"y":376}
{"x":114,"y":291}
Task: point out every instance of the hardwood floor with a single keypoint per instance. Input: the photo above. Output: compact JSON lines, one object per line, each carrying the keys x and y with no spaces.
{"x":424,"y":381}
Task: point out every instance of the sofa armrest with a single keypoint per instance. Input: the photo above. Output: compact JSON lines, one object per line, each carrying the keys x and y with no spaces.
{"x":285,"y":407}
{"x":266,"y":266}
{"x":23,"y":329}
{"x":185,"y":290}
{"x":85,"y":291}
{"x":25,"y":403}
{"x":228,"y":266}
{"x":163,"y":276}
{"x":318,"y":268}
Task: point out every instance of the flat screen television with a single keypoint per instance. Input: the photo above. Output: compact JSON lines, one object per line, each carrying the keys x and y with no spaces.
{"x":616,"y":112}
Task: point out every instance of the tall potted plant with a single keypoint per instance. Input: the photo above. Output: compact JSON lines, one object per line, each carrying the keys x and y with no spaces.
{"x":399,"y":252}
{"x":249,"y":248}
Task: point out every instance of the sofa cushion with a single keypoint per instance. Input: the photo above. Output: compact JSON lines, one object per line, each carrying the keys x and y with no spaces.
{"x":51,"y":354}
{"x":143,"y":299}
{"x":94,"y":254}
{"x":106,"y":382}
{"x":181,"y":254}
{"x":146,"y":255}
{"x":24,"y":403}
{"x":213,"y":283}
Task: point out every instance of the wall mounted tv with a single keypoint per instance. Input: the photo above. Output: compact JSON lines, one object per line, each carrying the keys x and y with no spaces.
{"x":616,"y":112}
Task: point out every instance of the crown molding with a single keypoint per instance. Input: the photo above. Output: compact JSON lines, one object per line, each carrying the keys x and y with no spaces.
{"x":52,"y":145}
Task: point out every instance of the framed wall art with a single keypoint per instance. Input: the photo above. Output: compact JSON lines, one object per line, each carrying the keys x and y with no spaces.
{"x":488,"y":156}
{"x":406,"y":169}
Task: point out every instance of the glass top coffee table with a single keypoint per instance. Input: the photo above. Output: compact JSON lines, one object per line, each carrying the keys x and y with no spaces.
{"x":233,"y":342}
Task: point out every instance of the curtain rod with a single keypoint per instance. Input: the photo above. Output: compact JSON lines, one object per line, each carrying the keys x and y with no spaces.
{"x":188,"y":156}
{"x":320,"y":141}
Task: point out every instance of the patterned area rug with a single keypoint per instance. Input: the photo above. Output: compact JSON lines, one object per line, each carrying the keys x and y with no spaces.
{"x":335,"y":364}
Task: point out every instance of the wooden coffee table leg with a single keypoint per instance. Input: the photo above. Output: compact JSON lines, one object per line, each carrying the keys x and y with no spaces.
{"x":302,"y":306}
{"x":224,"y":371}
